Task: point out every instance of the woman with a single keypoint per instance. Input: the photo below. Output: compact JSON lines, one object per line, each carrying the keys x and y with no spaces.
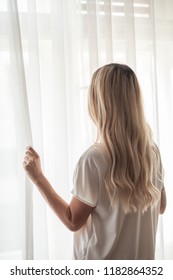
{"x":118,"y":182}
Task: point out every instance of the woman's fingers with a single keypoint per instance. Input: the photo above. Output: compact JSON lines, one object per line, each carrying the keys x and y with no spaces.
{"x":27,"y":159}
{"x":32,"y":151}
{"x":31,"y":164}
{"x":29,"y":155}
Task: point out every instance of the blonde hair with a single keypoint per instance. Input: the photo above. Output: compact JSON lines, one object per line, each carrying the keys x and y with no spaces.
{"x":115,"y":105}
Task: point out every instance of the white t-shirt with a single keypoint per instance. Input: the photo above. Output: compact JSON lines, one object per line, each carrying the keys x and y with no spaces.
{"x":109,"y":233}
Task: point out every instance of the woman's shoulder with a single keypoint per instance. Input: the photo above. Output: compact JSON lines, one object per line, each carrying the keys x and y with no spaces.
{"x":156,"y":153}
{"x":94,"y":154}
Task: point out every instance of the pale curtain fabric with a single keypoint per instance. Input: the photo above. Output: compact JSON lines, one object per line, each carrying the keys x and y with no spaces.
{"x":48,"y":52}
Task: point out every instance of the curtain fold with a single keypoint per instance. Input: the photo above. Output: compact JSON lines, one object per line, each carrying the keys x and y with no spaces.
{"x":48,"y":52}
{"x":30,"y":36}
{"x":22,"y":127}
{"x":23,"y":132}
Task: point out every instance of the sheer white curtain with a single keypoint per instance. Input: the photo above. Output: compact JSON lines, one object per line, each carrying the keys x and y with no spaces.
{"x":48,"y":51}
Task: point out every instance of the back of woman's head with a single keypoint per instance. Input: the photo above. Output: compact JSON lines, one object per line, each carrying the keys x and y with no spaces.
{"x":115,"y":105}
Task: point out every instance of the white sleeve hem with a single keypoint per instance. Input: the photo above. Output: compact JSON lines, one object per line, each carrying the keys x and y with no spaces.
{"x":83,"y":200}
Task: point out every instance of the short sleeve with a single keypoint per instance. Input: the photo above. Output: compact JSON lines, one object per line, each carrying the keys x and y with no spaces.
{"x":159,"y":176}
{"x":86,"y":181}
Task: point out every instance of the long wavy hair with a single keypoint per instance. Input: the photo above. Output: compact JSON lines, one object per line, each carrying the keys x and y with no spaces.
{"x":115,"y":105}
